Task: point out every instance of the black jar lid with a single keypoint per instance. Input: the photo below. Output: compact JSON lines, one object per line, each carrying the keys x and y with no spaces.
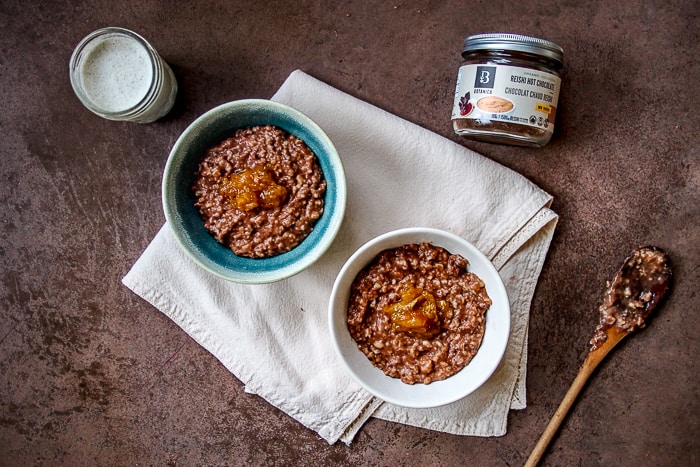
{"x":515,"y":43}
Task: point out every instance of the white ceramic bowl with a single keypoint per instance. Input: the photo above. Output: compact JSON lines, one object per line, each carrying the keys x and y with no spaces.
{"x":183,"y":216}
{"x":437,"y":393}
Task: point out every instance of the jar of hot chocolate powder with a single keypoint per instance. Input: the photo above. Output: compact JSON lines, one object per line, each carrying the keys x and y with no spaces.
{"x":508,"y":89}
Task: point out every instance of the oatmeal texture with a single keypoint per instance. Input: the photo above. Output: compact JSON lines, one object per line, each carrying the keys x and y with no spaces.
{"x":417,"y":313}
{"x":260,"y":192}
{"x":639,"y":285}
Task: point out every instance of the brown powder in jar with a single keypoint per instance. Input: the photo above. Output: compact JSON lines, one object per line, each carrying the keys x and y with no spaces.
{"x":260,"y":192}
{"x":490,"y":131}
{"x":443,"y":294}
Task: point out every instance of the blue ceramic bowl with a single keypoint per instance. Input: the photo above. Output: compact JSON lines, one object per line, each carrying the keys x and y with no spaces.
{"x":183,"y":216}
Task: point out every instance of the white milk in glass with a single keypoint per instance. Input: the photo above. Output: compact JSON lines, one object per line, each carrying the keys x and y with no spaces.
{"x":119,"y":76}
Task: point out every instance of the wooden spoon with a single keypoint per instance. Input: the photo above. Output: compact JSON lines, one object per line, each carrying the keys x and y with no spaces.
{"x":638,"y":287}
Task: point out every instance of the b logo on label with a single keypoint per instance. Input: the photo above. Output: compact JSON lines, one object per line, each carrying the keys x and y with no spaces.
{"x":485,"y":76}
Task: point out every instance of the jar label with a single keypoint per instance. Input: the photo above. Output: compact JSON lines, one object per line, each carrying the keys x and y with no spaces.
{"x":508,"y":94}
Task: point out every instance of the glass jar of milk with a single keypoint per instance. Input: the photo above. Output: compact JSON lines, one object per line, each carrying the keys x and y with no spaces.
{"x":118,"y":75}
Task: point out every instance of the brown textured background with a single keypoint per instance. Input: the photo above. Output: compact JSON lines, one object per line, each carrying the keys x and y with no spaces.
{"x":92,"y":375}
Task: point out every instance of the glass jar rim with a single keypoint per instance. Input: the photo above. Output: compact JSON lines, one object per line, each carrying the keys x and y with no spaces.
{"x":130,"y":112}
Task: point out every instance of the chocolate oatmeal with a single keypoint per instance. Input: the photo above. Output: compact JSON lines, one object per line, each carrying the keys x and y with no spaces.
{"x":417,"y":313}
{"x":260,"y":192}
{"x":634,"y":292}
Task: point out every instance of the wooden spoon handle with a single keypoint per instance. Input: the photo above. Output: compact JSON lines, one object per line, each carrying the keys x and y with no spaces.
{"x":559,"y":415}
{"x":592,"y":361}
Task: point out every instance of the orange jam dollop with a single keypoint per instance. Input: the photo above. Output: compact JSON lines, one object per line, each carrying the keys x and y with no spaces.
{"x":253,"y":188}
{"x":416,"y":313}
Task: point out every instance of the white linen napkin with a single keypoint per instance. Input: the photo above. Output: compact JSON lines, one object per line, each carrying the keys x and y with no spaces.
{"x":274,"y":338}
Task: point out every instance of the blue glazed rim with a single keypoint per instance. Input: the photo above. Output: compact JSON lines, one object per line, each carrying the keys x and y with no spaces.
{"x":183,"y":216}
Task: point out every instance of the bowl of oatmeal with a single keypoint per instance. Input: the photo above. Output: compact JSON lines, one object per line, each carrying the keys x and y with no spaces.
{"x":254,"y":191}
{"x":419,"y":317}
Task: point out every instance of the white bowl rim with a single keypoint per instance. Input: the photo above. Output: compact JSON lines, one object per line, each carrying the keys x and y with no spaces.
{"x":437,"y":393}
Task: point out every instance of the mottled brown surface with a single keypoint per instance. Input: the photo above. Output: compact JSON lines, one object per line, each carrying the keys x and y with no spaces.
{"x":93,"y":375}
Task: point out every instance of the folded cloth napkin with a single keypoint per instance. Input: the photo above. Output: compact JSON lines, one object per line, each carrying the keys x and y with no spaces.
{"x":275,"y":337}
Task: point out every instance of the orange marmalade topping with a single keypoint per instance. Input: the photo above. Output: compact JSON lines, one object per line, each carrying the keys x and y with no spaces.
{"x":416,"y":313}
{"x":252,"y":189}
